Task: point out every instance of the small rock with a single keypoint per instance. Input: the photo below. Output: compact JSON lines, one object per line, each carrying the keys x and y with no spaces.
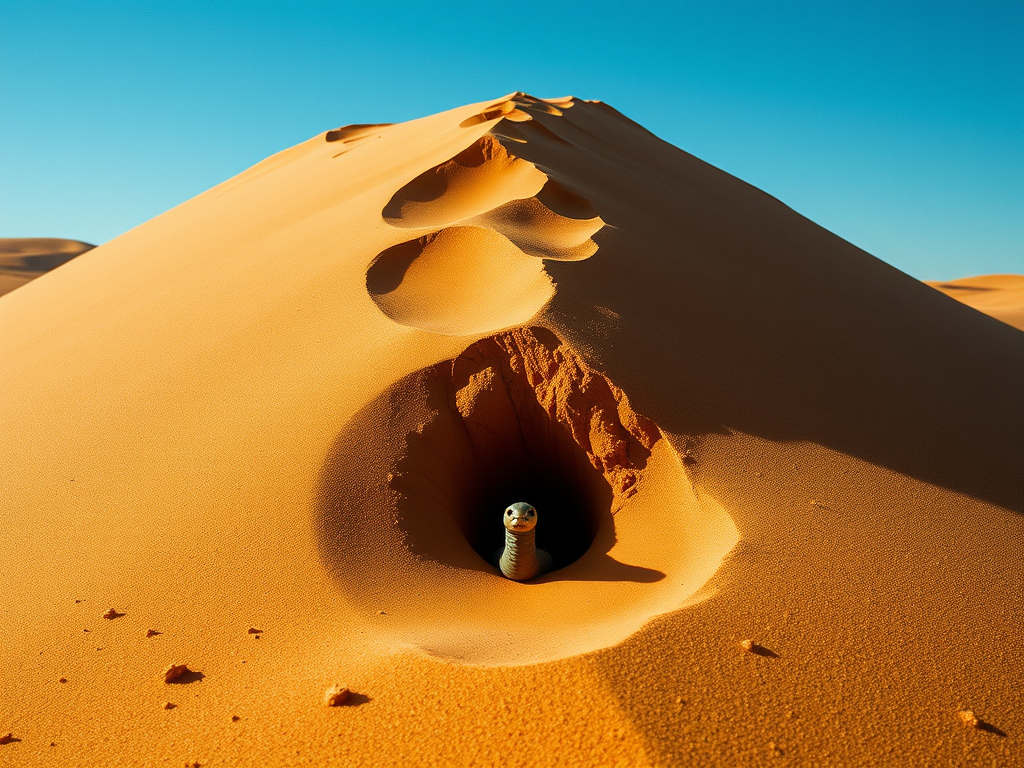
{"x":112,"y":614}
{"x":254,"y":631}
{"x":748,"y":645}
{"x":175,"y":672}
{"x":968,"y":718}
{"x":152,"y":633}
{"x":63,"y":680}
{"x":7,"y":738}
{"x":169,"y":705}
{"x":336,"y":695}
{"x":235,"y":718}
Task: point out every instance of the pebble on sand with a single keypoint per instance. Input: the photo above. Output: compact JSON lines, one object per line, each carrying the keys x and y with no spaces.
{"x":968,"y":718}
{"x":235,"y":718}
{"x":7,"y":738}
{"x":169,"y":705}
{"x":748,"y":645}
{"x":63,"y":680}
{"x":336,"y":695}
{"x":151,"y":633}
{"x":254,"y":631}
{"x":175,"y":672}
{"x":112,"y":614}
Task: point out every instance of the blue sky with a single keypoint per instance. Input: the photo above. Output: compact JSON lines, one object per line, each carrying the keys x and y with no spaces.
{"x":897,"y":125}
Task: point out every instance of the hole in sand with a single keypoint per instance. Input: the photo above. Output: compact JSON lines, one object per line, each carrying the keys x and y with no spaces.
{"x":411,"y":498}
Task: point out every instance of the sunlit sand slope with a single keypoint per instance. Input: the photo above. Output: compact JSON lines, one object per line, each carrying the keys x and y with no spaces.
{"x":275,"y":427}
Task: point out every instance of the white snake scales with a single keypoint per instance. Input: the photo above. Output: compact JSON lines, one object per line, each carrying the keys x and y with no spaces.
{"x":520,"y":559}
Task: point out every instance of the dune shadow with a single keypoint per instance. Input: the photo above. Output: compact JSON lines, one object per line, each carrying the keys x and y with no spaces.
{"x":599,"y":565}
{"x":733,"y":312}
{"x":606,"y":568}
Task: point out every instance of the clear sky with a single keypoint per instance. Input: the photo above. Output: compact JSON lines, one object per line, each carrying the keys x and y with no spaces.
{"x":897,"y":125}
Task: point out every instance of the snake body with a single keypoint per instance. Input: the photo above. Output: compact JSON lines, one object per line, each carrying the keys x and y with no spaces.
{"x":520,"y":559}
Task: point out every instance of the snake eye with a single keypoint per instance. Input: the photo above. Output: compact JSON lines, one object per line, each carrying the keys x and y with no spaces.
{"x":531,"y":513}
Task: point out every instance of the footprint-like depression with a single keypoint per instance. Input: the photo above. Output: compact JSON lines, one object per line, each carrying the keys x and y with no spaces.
{"x":412,"y":494}
{"x":487,"y":221}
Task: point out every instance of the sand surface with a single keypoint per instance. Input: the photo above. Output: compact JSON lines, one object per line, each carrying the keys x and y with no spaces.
{"x":273,"y":429}
{"x":1000,"y":296}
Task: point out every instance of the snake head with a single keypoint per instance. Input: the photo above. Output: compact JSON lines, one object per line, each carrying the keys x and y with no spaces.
{"x":520,"y":517}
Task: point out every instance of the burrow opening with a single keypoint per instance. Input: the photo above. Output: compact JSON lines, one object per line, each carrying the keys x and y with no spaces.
{"x":520,"y":417}
{"x":571,"y":504}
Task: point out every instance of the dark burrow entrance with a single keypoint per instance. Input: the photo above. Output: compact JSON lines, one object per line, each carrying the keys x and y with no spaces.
{"x":519,"y":417}
{"x":569,"y":510}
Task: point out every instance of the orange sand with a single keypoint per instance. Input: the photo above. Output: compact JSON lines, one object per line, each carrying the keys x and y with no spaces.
{"x":291,"y":403}
{"x":1001,"y":296}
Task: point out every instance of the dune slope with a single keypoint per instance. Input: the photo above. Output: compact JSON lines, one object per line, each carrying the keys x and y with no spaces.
{"x":277,"y":426}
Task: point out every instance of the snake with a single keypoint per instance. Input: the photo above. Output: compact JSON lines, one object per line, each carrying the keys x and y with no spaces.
{"x":520,"y":559}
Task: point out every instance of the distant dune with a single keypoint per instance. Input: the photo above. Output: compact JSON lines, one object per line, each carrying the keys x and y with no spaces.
{"x":257,"y":449}
{"x":1000,"y":296}
{"x":23,"y":259}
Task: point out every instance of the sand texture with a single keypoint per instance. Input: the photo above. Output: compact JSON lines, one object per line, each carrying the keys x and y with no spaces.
{"x":270,"y":434}
{"x":23,"y":259}
{"x":999,"y":296}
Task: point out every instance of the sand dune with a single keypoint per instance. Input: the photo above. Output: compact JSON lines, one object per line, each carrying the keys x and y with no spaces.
{"x":274,"y":428}
{"x":999,"y":296}
{"x":23,"y":259}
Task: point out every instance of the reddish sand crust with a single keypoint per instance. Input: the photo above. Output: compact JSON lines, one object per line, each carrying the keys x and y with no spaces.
{"x":784,"y":480}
